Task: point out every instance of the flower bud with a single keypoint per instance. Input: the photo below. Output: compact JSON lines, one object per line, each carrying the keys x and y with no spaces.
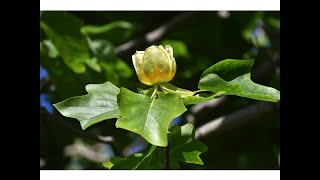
{"x":155,"y":65}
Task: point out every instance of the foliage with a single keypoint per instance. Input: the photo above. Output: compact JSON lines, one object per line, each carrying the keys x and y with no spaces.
{"x":78,"y":50}
{"x":67,"y":39}
{"x":233,"y":77}
{"x":150,"y":116}
{"x":99,"y":104}
{"x":184,"y":147}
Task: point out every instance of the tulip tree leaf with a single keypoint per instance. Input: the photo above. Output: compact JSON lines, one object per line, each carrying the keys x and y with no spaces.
{"x":200,"y":99}
{"x":116,"y":32}
{"x":90,"y":29}
{"x":184,"y":147}
{"x":233,"y":77}
{"x":67,"y":83}
{"x":63,"y":29}
{"x":93,"y":64}
{"x":158,"y":159}
{"x":138,"y":161}
{"x":148,"y":117}
{"x":99,"y":104}
{"x":112,"y":67}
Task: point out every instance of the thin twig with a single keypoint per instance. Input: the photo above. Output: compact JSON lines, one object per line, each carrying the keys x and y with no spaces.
{"x":235,"y":119}
{"x":152,"y":36}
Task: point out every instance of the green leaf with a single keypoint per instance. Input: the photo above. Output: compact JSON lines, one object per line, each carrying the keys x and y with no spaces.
{"x":52,"y":50}
{"x":184,"y":147}
{"x":93,"y":63}
{"x":148,"y":117}
{"x":67,"y":82}
{"x":89,"y":29}
{"x":200,"y":99}
{"x":233,"y":77}
{"x":158,"y":159}
{"x":136,"y":161}
{"x":113,"y":68}
{"x":174,"y":164}
{"x":102,"y":49}
{"x":63,"y":29}
{"x":274,"y":22}
{"x":230,"y":69}
{"x":99,"y":104}
{"x":116,"y":32}
{"x":112,"y":162}
{"x":169,"y":88}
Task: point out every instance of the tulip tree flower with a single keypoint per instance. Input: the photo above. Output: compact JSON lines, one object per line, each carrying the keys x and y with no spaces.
{"x":155,"y":65}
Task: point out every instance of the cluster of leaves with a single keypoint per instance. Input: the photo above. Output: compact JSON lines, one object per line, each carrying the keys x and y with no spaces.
{"x":196,"y":47}
{"x":183,"y":148}
{"x":75,"y":54}
{"x":149,"y":112}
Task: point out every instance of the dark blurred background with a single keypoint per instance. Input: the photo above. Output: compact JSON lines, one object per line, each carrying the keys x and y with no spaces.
{"x":94,"y":47}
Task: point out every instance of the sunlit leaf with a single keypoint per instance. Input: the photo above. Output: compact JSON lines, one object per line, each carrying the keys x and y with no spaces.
{"x":149,"y":117}
{"x":99,"y":104}
{"x":90,"y":29}
{"x":233,"y":77}
{"x":115,"y":32}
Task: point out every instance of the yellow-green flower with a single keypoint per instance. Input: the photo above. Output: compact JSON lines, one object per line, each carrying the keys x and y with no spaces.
{"x":155,"y":65}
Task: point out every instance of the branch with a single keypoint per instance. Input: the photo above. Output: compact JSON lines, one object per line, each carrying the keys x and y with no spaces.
{"x":202,"y":108}
{"x":90,"y":152}
{"x":152,"y":36}
{"x":235,"y":119}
